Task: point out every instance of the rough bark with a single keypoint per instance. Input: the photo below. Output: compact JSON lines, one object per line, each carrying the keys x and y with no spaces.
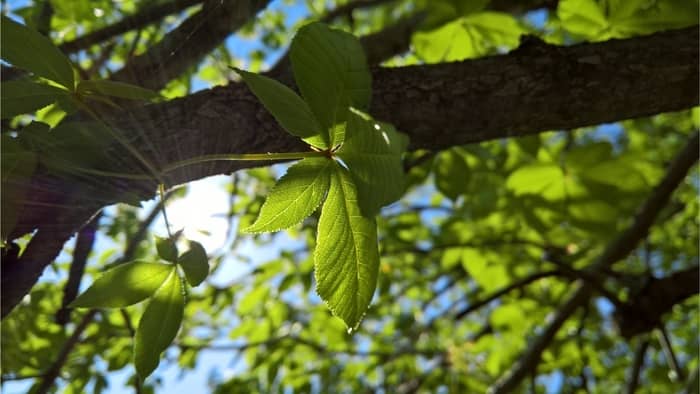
{"x":535,"y":88}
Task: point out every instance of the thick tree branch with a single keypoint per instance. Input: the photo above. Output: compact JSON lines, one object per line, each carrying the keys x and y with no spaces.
{"x":521,"y":93}
{"x":620,"y":247}
{"x":142,"y":18}
{"x":645,"y":308}
{"x":83,"y":246}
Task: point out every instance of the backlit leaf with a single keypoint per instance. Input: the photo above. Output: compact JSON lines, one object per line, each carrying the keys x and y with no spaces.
{"x":124,"y":285}
{"x":21,"y":97}
{"x":372,"y":150}
{"x":331,"y":71}
{"x":159,"y":325}
{"x":167,"y":250}
{"x":346,"y":256}
{"x":26,"y":48}
{"x":195,"y":263}
{"x":295,"y":196}
{"x":292,"y":113}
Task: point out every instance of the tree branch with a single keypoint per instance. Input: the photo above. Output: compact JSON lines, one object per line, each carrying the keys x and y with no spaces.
{"x":637,"y":364}
{"x":141,"y":18}
{"x":645,"y":308}
{"x":620,"y":247}
{"x":52,"y":372}
{"x":440,"y":105}
{"x":187,"y":44}
{"x":83,"y":247}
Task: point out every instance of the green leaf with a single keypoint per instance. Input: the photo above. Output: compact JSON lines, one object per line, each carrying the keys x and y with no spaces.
{"x":167,"y":250}
{"x":346,"y":256}
{"x":195,"y":264}
{"x":25,"y":48}
{"x":331,"y":71}
{"x":295,"y":196}
{"x":292,"y":113}
{"x":116,"y":89}
{"x":545,"y":179}
{"x":635,"y":17}
{"x":18,"y":166}
{"x":21,"y":97}
{"x":468,"y":37}
{"x":124,"y":285}
{"x":582,"y":17}
{"x":159,"y":325}
{"x":373,"y":150}
{"x":451,"y":174}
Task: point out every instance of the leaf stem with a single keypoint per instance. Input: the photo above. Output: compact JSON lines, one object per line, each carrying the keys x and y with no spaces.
{"x":243,"y":157}
{"x":161,"y":192}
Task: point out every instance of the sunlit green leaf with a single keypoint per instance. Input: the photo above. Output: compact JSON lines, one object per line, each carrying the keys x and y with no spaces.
{"x":195,"y":263}
{"x":451,"y":173}
{"x":124,"y":285}
{"x":159,"y":325}
{"x":373,"y":150}
{"x":582,"y":17}
{"x":295,"y":196}
{"x":21,"y":97}
{"x":287,"y":107}
{"x":346,"y":256}
{"x":331,"y":71}
{"x":25,"y":48}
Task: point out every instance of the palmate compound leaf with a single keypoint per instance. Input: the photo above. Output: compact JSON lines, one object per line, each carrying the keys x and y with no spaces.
{"x":292,"y":113}
{"x":331,"y":71}
{"x":195,"y":264}
{"x":295,"y":196}
{"x":26,"y":48}
{"x":159,"y":325}
{"x":124,"y":285}
{"x":346,"y":256}
{"x":372,"y":150}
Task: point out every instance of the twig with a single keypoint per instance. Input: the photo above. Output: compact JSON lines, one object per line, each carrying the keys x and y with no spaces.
{"x":637,"y":364}
{"x":138,"y":20}
{"x":678,"y":374}
{"x":515,"y":285}
{"x":52,"y":372}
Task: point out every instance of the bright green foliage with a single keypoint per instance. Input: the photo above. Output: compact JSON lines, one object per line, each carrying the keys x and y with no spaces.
{"x":471,"y":36}
{"x":167,"y":250}
{"x":115,"y":89}
{"x":18,"y":164}
{"x":605,"y":19}
{"x":451,"y":173}
{"x":295,"y":196}
{"x":292,"y":113}
{"x":124,"y":285}
{"x":346,"y":256}
{"x":21,"y":97}
{"x":25,"y":48}
{"x":373,"y":150}
{"x":195,"y":264}
{"x":331,"y":71}
{"x":159,"y":325}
